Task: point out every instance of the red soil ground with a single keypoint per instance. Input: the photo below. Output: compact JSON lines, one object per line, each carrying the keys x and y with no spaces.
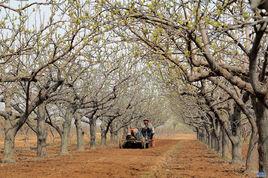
{"x":180,"y":157}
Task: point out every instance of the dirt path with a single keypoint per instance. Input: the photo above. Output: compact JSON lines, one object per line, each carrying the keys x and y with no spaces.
{"x":170,"y":158}
{"x":190,"y":158}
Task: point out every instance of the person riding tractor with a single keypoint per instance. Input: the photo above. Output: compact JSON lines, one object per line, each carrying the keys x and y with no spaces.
{"x":140,"y":137}
{"x":147,"y":129}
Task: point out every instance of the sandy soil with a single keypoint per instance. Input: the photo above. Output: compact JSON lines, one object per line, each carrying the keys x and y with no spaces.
{"x":182,"y":156}
{"x":190,"y":158}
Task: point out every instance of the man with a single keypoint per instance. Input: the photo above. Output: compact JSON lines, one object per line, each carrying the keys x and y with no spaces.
{"x":147,"y":129}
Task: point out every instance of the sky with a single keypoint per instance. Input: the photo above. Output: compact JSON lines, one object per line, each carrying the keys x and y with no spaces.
{"x":17,"y":3}
{"x":43,"y":11}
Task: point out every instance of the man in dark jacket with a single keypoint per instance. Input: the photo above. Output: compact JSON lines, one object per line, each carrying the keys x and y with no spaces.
{"x":147,"y":129}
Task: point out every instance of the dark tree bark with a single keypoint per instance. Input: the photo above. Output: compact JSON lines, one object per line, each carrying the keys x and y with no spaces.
{"x":198,"y":134}
{"x":103,"y":135}
{"x":209,"y":140}
{"x":92,"y":132}
{"x":236,"y":137}
{"x":225,"y":143}
{"x":105,"y":126}
{"x":203,"y":135}
{"x":262,"y":122}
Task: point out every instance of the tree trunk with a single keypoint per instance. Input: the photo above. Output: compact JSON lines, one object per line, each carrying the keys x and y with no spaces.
{"x":113,"y":134}
{"x":10,"y":132}
{"x":103,"y":138}
{"x":79,"y":134}
{"x":66,"y":133}
{"x":252,"y":153}
{"x":198,"y":134}
{"x":203,"y":138}
{"x":225,"y":143}
{"x":103,"y":135}
{"x":114,"y":137}
{"x":219,"y":143}
{"x":92,"y":132}
{"x":213,"y":141}
{"x":206,"y":137}
{"x":41,"y":132}
{"x":216,"y":144}
{"x":209,"y":140}
{"x":262,"y":123}
{"x":237,"y":150}
{"x":9,"y":143}
{"x":236,"y":136}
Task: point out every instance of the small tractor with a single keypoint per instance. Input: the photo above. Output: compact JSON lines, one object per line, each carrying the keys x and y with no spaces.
{"x":137,"y":138}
